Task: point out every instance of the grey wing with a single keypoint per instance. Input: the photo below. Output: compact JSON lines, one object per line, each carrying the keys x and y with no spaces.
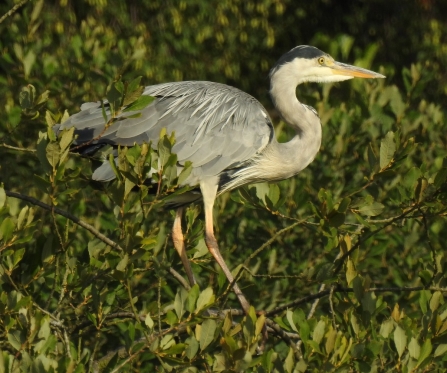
{"x":216,"y":126}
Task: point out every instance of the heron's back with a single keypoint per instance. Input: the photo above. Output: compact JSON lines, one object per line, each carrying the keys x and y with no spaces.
{"x":217,"y":127}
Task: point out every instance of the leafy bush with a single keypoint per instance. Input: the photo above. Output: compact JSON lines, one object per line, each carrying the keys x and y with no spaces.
{"x":344,"y":264}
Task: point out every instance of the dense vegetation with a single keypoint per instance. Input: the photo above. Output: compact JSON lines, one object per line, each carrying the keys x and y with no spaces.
{"x":345,"y":264}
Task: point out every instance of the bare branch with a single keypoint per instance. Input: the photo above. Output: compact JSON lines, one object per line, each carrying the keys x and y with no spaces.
{"x":284,"y":336}
{"x":433,"y":250}
{"x":272,"y":239}
{"x":323,"y":293}
{"x":84,"y":225}
{"x":14,"y":9}
{"x":6,"y":146}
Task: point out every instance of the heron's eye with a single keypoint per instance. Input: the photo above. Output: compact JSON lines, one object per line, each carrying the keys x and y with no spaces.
{"x":321,"y":60}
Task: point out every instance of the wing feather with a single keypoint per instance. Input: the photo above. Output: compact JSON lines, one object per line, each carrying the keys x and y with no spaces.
{"x":216,"y":126}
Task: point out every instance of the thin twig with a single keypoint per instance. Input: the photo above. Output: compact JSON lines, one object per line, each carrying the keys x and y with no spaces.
{"x":361,"y":240}
{"x":323,"y":293}
{"x":3,"y":145}
{"x":67,"y":215}
{"x":272,"y":239}
{"x":433,"y":251}
{"x":84,"y":225}
{"x":331,"y":305}
{"x":311,"y":313}
{"x":284,"y":336}
{"x":14,"y":9}
{"x":315,"y":303}
{"x":179,"y":278}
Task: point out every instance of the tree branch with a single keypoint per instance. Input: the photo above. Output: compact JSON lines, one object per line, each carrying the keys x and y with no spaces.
{"x":14,"y":9}
{"x":6,"y":146}
{"x":323,"y":293}
{"x":86,"y":226}
{"x":272,"y":239}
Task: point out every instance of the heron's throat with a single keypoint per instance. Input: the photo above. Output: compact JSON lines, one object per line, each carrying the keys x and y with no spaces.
{"x":299,"y":152}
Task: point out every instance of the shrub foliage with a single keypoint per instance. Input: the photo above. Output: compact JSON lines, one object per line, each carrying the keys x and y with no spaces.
{"x":344,"y":265}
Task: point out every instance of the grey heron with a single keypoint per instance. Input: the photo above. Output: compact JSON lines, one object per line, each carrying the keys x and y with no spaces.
{"x":226,"y":134}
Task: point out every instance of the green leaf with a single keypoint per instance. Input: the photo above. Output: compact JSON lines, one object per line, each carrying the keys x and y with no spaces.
{"x":435,"y":300}
{"x":387,"y":149}
{"x":6,"y":229}
{"x":414,"y":348}
{"x":15,"y":339}
{"x":369,"y":301}
{"x":355,"y":324}
{"x":167,"y":341}
{"x":205,"y":299}
{"x":301,"y":321}
{"x":207,"y":333}
{"x":201,"y":249}
{"x":21,"y":217}
{"x":274,"y":193}
{"x":179,"y":302}
{"x":425,"y":351}
{"x":134,"y":84}
{"x":186,"y":171}
{"x":373,"y":209}
{"x":175,"y":349}
{"x":121,"y":266}
{"x":440,"y":350}
{"x":132,"y":96}
{"x":41,"y":152}
{"x":114,"y":97}
{"x":192,"y":298}
{"x":148,"y":321}
{"x":53,"y":153}
{"x":28,"y":62}
{"x":140,"y":103}
{"x":336,"y":219}
{"x":372,"y":159}
{"x":386,"y":328}
{"x":440,"y":177}
{"x":318,"y":332}
{"x":26,"y":97}
{"x":259,"y":325}
{"x":331,"y":336}
{"x":359,"y":290}
{"x":351,"y":273}
{"x":396,"y":103}
{"x":18,"y":256}
{"x":400,"y":340}
{"x":344,"y":204}
{"x":193,"y":347}
{"x":289,"y":362}
{"x":289,"y":315}
{"x":36,"y":11}
{"x":67,"y":138}
{"x":164,"y":150}
{"x":2,"y":196}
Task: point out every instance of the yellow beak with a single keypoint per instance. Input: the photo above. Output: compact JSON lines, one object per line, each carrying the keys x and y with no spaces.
{"x":357,"y":72}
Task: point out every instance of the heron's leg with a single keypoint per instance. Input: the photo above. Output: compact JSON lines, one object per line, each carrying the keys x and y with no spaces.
{"x":209,"y":195}
{"x":179,"y":244}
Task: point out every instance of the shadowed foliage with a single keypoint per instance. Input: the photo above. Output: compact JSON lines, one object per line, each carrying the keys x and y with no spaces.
{"x":345,"y":264}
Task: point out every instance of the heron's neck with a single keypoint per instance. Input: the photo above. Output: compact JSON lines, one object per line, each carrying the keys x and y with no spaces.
{"x":302,"y":149}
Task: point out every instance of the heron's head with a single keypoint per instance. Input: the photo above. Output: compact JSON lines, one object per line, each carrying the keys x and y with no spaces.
{"x":308,"y":64}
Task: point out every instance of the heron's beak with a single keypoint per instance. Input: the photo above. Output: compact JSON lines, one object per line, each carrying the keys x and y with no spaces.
{"x":354,"y":71}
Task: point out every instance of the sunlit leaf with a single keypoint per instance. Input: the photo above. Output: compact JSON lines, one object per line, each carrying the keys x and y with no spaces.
{"x":207,"y":333}
{"x":387,"y":149}
{"x":141,"y":103}
{"x":400,"y":340}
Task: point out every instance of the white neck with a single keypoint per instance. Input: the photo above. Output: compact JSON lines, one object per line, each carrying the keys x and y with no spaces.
{"x":280,"y":161}
{"x":296,"y":154}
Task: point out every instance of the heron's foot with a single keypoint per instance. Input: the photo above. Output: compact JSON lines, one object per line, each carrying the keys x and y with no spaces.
{"x":213,"y":248}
